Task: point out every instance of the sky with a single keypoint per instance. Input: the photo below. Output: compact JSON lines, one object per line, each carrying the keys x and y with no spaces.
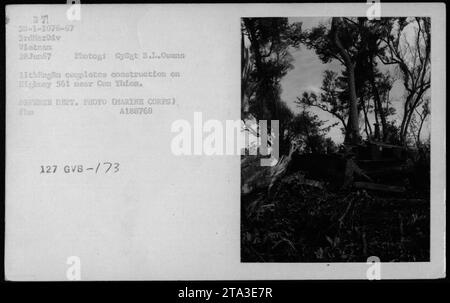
{"x":307,"y":75}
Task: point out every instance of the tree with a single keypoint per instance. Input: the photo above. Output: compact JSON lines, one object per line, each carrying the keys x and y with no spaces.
{"x":341,"y":42}
{"x":309,"y":131}
{"x":347,"y":55}
{"x":371,"y":83}
{"x":271,"y":61}
{"x":264,"y":63}
{"x":247,"y":87}
{"x":330,"y":100}
{"x":357,"y":43}
{"x":417,"y":125}
{"x":407,"y":44}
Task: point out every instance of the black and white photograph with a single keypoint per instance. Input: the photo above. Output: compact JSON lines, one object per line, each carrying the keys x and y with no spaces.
{"x":352,"y":179}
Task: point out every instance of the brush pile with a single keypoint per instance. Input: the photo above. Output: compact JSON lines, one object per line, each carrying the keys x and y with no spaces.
{"x":297,"y":221}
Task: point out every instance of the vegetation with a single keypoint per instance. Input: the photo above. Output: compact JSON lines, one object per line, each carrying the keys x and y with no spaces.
{"x":292,"y":212}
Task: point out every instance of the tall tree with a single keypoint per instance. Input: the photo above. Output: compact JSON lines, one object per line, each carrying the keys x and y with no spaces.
{"x":357,"y":43}
{"x":340,"y":42}
{"x":271,"y":60}
{"x":418,"y":120}
{"x":268,"y":62}
{"x":337,"y":24}
{"x":407,"y":44}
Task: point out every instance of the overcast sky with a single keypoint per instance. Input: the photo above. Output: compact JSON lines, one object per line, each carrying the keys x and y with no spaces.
{"x":307,"y":75}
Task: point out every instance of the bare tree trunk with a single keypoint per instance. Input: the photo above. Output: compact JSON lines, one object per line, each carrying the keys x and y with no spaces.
{"x":354,"y":114}
{"x":352,"y":136}
{"x":422,"y":120}
{"x":405,"y":115}
{"x":410,"y":107}
{"x":367,"y":127}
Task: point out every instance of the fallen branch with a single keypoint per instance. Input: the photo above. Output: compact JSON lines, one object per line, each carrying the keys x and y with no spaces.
{"x":379,"y":187}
